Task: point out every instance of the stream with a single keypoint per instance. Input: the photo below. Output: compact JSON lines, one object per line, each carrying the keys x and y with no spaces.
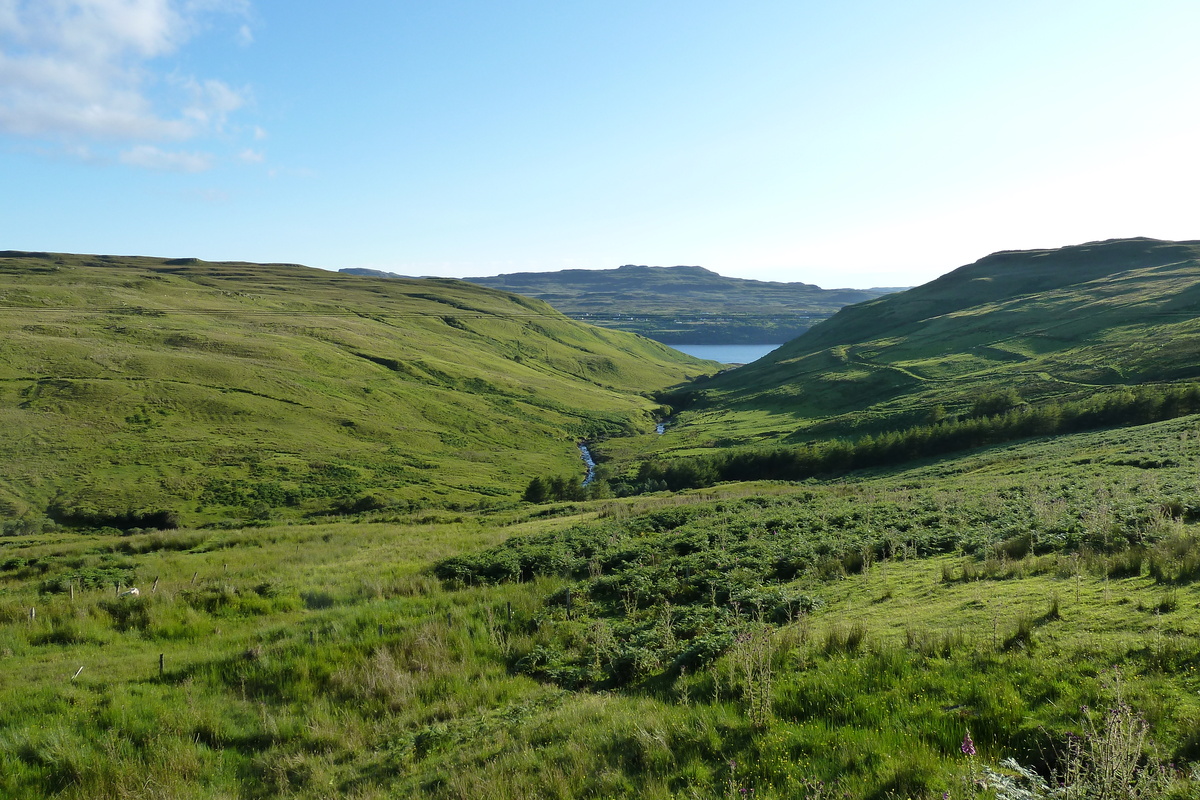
{"x":591,"y":464}
{"x":586,"y":455}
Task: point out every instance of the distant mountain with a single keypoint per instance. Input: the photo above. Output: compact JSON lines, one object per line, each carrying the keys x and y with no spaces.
{"x":1065,"y":322}
{"x":132,"y":389}
{"x":681,"y":305}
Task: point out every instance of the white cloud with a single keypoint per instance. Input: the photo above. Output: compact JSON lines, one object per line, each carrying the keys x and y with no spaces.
{"x":93,"y":70}
{"x":98,"y":30}
{"x":81,"y":152}
{"x":150,"y":157}
{"x":251,"y":156}
{"x":245,"y":37}
{"x":212,"y":103}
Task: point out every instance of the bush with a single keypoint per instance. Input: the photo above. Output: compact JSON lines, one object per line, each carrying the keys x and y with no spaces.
{"x":1109,"y":759}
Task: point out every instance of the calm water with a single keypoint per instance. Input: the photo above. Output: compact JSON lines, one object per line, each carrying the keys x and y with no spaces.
{"x":727,"y":353}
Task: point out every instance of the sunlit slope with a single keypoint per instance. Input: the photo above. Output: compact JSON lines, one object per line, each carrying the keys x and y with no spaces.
{"x":1043,"y":322}
{"x":258,"y":390}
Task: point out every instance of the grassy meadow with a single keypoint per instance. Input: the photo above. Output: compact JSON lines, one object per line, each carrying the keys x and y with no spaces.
{"x":824,"y":639}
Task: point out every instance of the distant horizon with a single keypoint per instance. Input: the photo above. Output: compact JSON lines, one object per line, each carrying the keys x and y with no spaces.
{"x":798,"y":279}
{"x":749,"y":274}
{"x":346,"y":270}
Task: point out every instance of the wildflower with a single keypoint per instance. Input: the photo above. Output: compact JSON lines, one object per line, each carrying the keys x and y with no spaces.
{"x":967,"y":746}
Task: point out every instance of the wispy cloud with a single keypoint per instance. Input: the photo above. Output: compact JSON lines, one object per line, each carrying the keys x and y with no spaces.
{"x":151,"y":157}
{"x":212,"y":103}
{"x":92,"y":71}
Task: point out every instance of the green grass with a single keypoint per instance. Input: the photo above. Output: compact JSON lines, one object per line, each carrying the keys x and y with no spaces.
{"x":828,"y":638}
{"x":130,"y":386}
{"x":992,"y":593}
{"x":1053,"y":325}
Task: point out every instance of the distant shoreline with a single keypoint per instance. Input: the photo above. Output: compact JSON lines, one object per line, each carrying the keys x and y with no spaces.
{"x":727,"y":353}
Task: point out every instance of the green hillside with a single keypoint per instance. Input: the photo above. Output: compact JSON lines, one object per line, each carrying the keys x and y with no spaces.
{"x":837,"y":639}
{"x":1012,"y":621}
{"x":1046,"y":324}
{"x":681,"y":305}
{"x":991,"y":623}
{"x":140,"y":391}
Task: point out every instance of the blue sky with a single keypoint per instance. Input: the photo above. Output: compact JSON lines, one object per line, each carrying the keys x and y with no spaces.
{"x":857,"y":143}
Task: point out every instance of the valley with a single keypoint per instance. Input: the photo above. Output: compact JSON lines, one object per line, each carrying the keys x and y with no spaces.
{"x":942,"y":545}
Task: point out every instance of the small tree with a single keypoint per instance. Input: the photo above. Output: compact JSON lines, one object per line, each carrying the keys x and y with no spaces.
{"x":535,"y":492}
{"x":993,"y":403}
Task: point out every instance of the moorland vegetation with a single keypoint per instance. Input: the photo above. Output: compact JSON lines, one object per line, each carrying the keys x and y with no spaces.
{"x":996,"y":601}
{"x":147,"y":393}
{"x":1052,"y":325}
{"x":815,"y":640}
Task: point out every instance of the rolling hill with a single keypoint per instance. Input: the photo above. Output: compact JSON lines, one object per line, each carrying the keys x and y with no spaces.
{"x":680,"y":305}
{"x":990,"y":623}
{"x":1048,"y":324}
{"x":138,"y":392}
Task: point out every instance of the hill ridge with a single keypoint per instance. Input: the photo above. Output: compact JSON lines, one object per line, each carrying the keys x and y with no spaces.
{"x":1046,"y":323}
{"x":680,"y":304}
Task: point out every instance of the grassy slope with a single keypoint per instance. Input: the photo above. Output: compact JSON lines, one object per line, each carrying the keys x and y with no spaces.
{"x":1049,"y":323}
{"x":682,"y":304}
{"x":216,"y":389}
{"x":306,"y":661}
